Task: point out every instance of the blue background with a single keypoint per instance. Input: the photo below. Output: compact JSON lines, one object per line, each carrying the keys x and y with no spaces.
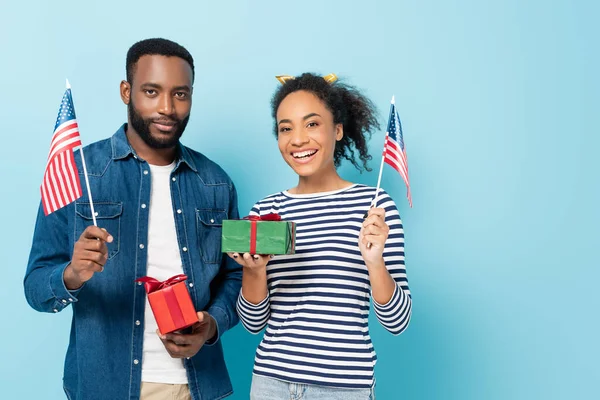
{"x":499,"y":104}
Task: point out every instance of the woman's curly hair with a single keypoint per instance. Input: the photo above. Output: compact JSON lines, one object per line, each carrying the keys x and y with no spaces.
{"x":349,"y":107}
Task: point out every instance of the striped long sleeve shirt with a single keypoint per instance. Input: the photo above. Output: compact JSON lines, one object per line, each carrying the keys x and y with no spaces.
{"x":317,"y":308}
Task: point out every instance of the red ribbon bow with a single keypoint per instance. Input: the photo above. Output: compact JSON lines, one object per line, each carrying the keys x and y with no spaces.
{"x":152,"y":285}
{"x":253,"y":220}
{"x":268,"y":217}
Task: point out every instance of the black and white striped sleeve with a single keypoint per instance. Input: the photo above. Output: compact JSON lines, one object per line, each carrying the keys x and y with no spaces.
{"x":395,"y":315}
{"x":254,"y":317}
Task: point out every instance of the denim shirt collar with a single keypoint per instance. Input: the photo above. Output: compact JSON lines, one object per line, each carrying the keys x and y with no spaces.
{"x":122,"y":149}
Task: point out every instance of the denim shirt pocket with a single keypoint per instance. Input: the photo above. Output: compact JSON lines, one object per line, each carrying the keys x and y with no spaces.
{"x":108,"y":216}
{"x":209,"y":223}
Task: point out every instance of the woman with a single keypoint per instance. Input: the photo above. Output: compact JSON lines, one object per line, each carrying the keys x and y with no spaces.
{"x":315,"y":303}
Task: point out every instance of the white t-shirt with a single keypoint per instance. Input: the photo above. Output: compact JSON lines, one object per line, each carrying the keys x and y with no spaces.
{"x":164,"y":261}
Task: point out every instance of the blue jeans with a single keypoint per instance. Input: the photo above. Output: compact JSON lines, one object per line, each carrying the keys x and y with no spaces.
{"x":264,"y":388}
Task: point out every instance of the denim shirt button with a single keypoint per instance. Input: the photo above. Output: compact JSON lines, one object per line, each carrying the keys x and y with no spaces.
{"x":191,"y":284}
{"x":178,"y":211}
{"x":143,"y":206}
{"x":64,"y":301}
{"x":71,"y":300}
{"x":141,"y":246}
{"x":184,"y":249}
{"x":145,"y":172}
{"x":55,"y":310}
{"x":136,"y":362}
{"x":138,"y":322}
{"x":173,"y":179}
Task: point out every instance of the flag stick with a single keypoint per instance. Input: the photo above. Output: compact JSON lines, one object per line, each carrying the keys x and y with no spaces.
{"x":374,"y":201}
{"x":85,"y":174}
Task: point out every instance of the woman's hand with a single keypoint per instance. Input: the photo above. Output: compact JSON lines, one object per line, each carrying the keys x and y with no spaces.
{"x":372,"y":237}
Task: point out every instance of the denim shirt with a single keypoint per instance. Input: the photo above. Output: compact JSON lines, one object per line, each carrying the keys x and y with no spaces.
{"x":104,"y":356}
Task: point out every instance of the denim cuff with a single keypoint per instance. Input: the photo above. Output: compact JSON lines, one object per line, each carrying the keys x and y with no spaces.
{"x":62,"y":296}
{"x":222,"y":319}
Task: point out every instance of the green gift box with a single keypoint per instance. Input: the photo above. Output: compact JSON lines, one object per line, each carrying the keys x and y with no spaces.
{"x":254,"y":235}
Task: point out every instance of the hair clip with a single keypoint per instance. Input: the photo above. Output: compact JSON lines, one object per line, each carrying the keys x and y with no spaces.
{"x":328,"y":78}
{"x":284,"y":78}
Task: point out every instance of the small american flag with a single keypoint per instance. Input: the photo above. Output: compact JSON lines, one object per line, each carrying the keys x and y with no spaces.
{"x":61,"y":184}
{"x":394,"y":152}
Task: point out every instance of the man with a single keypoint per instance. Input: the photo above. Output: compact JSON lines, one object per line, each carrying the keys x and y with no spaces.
{"x":159,"y":207}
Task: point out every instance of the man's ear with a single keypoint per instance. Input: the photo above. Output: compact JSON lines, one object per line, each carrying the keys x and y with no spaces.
{"x":125,"y":90}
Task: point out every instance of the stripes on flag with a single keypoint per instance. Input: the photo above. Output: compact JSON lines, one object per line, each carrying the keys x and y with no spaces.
{"x":65,"y":137}
{"x":61,"y":184}
{"x":394,"y":152}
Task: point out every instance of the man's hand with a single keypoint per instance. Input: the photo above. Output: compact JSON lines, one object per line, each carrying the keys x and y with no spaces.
{"x":89,"y":256}
{"x":181,"y":345}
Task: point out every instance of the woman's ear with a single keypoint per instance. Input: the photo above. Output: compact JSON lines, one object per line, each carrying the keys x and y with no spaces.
{"x":339,"y":132}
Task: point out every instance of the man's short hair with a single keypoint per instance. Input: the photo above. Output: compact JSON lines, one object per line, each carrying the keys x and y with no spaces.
{"x":155,"y":46}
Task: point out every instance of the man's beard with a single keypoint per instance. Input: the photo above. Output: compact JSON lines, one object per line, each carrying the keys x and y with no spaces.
{"x":142,"y":127}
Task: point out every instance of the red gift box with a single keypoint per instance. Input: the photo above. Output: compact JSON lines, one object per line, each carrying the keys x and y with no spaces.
{"x":170,"y":302}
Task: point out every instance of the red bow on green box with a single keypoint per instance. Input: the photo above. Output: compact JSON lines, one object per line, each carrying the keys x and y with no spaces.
{"x":253,"y":220}
{"x":268,"y":234}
